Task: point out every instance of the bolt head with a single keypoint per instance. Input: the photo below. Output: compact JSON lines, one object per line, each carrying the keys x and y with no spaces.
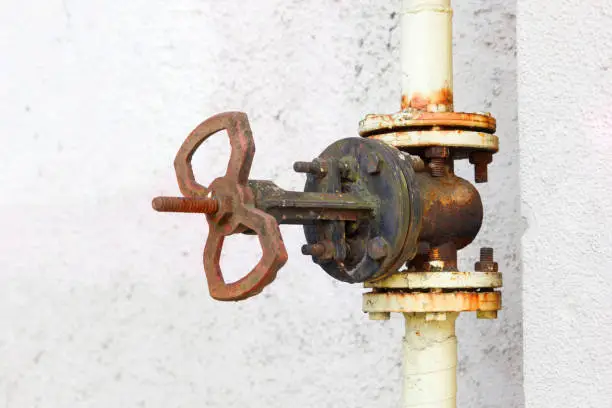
{"x":318,"y":167}
{"x":348,"y":168}
{"x":373,"y":163}
{"x":378,"y":248}
{"x":440,"y":152}
{"x":225,"y":211}
{"x":486,"y":266}
{"x":481,"y":157}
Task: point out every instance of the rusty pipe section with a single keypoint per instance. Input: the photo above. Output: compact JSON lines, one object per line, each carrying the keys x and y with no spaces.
{"x":427,"y":57}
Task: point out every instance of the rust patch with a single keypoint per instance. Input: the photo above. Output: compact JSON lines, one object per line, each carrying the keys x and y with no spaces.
{"x":423,"y":302}
{"x":452,"y":210}
{"x":414,"y":141}
{"x":228,"y":203}
{"x":423,"y":102}
{"x":410,"y":118}
{"x":186,"y":205}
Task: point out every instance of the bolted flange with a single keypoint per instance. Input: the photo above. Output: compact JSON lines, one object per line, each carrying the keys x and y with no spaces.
{"x":384,"y":176}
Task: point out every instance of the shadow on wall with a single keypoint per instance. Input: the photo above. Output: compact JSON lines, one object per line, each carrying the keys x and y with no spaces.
{"x":491,"y":352}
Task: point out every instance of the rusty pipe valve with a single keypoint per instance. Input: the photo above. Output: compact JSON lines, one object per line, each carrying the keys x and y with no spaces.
{"x":366,"y":208}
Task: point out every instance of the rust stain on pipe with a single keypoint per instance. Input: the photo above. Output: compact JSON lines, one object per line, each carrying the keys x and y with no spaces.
{"x":422,"y":101}
{"x":452,"y":210}
{"x":424,"y":302}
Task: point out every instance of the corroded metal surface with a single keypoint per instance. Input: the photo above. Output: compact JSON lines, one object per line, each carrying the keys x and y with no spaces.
{"x":465,"y":139}
{"x":292,"y":207}
{"x":486,"y":262}
{"x":424,"y":302}
{"x":186,"y":205}
{"x":367,"y":209}
{"x":452,"y":210}
{"x":419,"y":119}
{"x":439,"y":280}
{"x":235,"y":210}
{"x":376,"y":173}
{"x":440,"y":99}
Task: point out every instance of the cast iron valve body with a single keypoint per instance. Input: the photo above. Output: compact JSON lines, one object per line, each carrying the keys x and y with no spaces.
{"x":367,"y":209}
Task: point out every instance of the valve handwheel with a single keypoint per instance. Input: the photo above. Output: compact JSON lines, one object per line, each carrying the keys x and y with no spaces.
{"x":229,"y":205}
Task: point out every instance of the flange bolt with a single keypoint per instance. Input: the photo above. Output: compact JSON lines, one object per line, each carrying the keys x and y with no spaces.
{"x":437,"y":163}
{"x":487,"y":262}
{"x":378,"y":248}
{"x":481,"y":161}
{"x":486,"y":254}
{"x":316,"y":167}
{"x":373,"y":163}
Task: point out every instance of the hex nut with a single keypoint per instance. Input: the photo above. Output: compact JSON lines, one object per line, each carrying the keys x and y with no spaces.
{"x":440,"y":152}
{"x":348,"y":168}
{"x":225,"y":211}
{"x":486,"y":262}
{"x":373,"y":163}
{"x":486,"y":266}
{"x":378,"y":248}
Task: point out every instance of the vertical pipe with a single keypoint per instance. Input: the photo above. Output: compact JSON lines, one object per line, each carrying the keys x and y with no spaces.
{"x":430,"y":362}
{"x":427,"y":55}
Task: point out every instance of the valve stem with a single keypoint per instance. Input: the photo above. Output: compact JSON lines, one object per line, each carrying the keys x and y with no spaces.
{"x":186,"y":205}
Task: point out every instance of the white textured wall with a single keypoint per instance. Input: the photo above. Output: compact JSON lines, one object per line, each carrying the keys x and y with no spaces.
{"x":103,"y":301}
{"x":565,"y":87}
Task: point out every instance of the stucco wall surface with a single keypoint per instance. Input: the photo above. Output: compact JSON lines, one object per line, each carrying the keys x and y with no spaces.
{"x":103,"y":301}
{"x":565,"y":78}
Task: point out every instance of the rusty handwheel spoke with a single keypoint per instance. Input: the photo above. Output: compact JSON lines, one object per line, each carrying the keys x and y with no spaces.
{"x":242,"y":151}
{"x":274,"y":256}
{"x":228,"y":203}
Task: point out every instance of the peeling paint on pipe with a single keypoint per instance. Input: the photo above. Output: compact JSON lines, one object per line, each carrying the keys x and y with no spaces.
{"x":427,"y":57}
{"x":430,"y":362}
